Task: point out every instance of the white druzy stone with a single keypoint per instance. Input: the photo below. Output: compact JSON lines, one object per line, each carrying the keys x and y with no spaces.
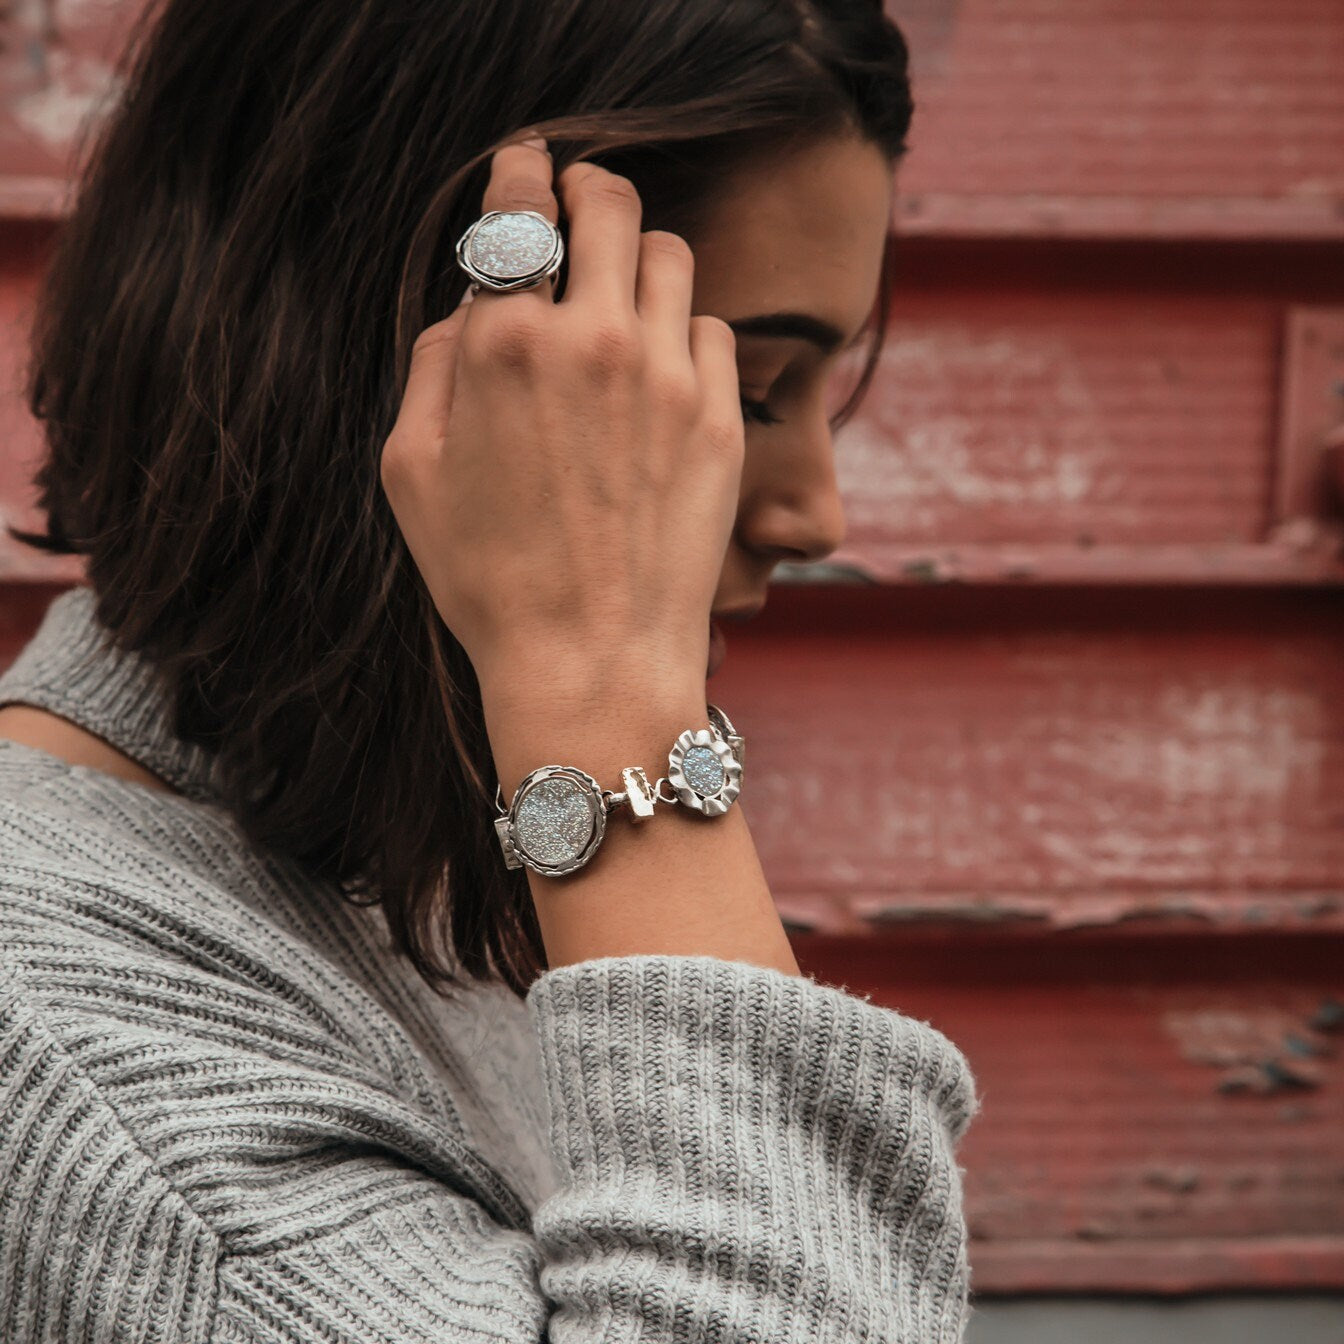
{"x":555,"y":820}
{"x":703,"y":771}
{"x":511,"y":246}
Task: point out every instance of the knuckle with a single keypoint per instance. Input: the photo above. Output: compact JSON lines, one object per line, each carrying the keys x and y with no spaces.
{"x":669,"y":247}
{"x":725,"y":438}
{"x":388,"y":463}
{"x":619,"y":191}
{"x":572,"y":175}
{"x":607,"y":188}
{"x":394,"y":464}
{"x":673,"y":390}
{"x":610,"y":346}
{"x":715,"y":329}
{"x":510,"y":340}
{"x":440,"y":334}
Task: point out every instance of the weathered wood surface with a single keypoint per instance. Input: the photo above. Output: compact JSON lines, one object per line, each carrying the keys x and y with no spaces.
{"x":1126,"y":118}
{"x":1046,"y":759}
{"x":1068,"y":780}
{"x":1098,"y":414}
{"x":1183,"y":118}
{"x":1158,"y":1116}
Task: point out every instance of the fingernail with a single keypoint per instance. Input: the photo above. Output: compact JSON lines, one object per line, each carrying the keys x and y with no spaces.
{"x":468,"y":296}
{"x":536,"y":142}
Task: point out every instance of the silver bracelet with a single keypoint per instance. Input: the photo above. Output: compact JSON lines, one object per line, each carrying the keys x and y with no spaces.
{"x":558,"y":815}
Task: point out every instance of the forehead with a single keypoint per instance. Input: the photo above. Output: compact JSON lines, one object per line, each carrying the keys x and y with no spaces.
{"x":803,"y":230}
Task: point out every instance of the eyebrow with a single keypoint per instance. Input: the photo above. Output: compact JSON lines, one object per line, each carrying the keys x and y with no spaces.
{"x":792,"y":326}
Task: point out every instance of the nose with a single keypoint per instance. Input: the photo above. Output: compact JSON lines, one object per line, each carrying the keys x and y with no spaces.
{"x":795,"y":511}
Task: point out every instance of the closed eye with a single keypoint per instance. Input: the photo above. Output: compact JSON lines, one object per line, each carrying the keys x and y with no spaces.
{"x":758,"y":412}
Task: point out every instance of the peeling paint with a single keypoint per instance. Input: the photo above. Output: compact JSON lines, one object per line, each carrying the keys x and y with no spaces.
{"x":1181,"y":1179}
{"x":981,"y":913}
{"x":1261,"y":1051}
{"x":914,"y":468}
{"x":75,"y":89}
{"x":824,"y":571}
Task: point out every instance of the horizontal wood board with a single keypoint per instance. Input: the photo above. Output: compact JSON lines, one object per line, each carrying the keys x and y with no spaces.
{"x":1072,"y":118}
{"x":1125,"y":118}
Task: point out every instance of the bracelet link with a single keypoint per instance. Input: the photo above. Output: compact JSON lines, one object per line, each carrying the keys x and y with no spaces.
{"x":638,"y":795}
{"x":502,"y":828}
{"x":558,"y":815}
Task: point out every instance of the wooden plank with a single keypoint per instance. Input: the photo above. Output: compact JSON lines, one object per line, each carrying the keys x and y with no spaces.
{"x":1156,"y":1117}
{"x":1110,"y":218}
{"x":1084,"y":414}
{"x":1062,"y":118}
{"x":1149,"y":118}
{"x":1045,"y":758}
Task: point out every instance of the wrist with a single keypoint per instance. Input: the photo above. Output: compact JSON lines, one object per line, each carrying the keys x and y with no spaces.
{"x":599,"y":729}
{"x":521,"y":669}
{"x":537,"y":681}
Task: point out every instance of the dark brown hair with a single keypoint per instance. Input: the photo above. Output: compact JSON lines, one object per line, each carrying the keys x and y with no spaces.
{"x":265,"y":224}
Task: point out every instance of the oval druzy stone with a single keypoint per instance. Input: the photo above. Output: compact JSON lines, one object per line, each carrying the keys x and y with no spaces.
{"x":703,"y":771}
{"x":555,"y":820}
{"x":512,"y":246}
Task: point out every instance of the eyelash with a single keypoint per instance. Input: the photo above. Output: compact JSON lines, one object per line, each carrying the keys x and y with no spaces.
{"x":758,"y":412}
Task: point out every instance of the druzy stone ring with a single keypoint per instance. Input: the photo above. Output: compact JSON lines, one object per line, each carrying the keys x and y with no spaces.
{"x":559,"y":812}
{"x":508,"y":250}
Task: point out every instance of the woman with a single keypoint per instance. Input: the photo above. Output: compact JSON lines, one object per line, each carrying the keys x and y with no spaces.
{"x":358,"y":982}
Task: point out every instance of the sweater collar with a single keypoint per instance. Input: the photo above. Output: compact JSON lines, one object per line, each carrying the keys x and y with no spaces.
{"x":71,"y":667}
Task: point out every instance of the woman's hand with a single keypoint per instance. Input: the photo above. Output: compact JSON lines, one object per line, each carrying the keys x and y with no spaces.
{"x":566,"y":474}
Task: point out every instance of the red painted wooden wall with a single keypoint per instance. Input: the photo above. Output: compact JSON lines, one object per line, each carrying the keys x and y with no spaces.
{"x":1053,"y":754}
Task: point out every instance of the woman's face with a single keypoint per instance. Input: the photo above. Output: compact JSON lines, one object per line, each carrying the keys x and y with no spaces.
{"x":790,"y":255}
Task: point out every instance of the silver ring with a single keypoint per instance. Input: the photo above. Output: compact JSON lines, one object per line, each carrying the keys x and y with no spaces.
{"x":508,"y":250}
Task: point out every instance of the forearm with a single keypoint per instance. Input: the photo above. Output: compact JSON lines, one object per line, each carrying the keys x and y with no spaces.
{"x":676,"y":882}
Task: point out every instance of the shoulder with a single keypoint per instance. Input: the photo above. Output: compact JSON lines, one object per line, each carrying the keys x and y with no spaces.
{"x":142,"y":887}
{"x":243,"y":1027}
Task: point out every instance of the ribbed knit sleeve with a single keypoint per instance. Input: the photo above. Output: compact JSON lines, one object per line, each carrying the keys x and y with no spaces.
{"x":200,"y":1147}
{"x":741,"y":1156}
{"x":747,"y":1155}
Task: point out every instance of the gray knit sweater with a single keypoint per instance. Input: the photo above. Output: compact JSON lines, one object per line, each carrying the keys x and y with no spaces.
{"x":229,"y":1114}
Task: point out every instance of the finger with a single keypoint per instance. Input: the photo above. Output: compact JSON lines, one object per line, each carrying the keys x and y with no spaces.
{"x":663,"y":292}
{"x":522,"y":178}
{"x":604,"y":212}
{"x":428,"y":396}
{"x":714,"y":353}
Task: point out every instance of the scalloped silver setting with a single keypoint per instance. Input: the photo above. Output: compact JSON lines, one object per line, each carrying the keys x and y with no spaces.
{"x":711,"y":803}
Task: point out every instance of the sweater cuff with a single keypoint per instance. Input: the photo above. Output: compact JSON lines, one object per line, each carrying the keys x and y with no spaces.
{"x":789,"y":1144}
{"x":621,"y":1034}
